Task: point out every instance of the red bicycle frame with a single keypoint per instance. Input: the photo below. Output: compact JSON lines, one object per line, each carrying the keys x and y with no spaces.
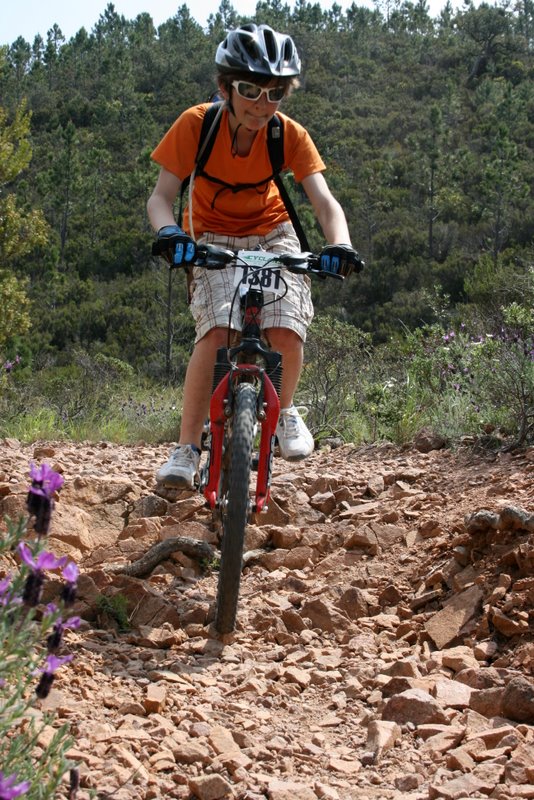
{"x":220,"y":408}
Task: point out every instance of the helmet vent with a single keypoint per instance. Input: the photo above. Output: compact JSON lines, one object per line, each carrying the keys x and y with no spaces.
{"x":270,"y":45}
{"x":250,"y":46}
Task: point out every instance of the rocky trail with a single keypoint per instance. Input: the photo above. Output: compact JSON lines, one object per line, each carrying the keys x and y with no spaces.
{"x":385,"y":640}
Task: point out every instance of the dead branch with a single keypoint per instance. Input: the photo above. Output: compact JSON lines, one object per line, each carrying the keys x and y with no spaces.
{"x":193,"y":548}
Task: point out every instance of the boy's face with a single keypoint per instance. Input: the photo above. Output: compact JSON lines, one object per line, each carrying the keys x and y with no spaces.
{"x":253,"y":114}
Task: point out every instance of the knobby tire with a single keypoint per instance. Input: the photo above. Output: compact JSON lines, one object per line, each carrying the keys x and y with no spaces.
{"x":236,"y":507}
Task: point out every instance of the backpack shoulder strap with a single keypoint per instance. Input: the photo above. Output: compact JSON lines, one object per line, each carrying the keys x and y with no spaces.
{"x":275,"y":144}
{"x":208,"y":132}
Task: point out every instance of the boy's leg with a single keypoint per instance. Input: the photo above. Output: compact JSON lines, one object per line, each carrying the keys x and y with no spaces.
{"x":294,"y":438}
{"x":182,"y":467}
{"x":290,"y":345}
{"x":198,"y":385}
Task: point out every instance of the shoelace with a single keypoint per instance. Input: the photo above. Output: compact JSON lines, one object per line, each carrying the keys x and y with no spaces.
{"x":182,"y":457}
{"x":291,"y":418}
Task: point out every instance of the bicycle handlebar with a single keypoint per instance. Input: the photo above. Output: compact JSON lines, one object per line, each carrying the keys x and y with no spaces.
{"x":210,"y":256}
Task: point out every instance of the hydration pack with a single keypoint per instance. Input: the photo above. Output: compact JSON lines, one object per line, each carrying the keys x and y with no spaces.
{"x":275,"y":145}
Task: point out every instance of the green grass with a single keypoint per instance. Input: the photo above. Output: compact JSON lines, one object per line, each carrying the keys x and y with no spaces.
{"x":122,"y":414}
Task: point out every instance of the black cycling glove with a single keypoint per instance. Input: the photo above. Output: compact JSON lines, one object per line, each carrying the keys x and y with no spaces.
{"x":341,"y":259}
{"x":181,"y":248}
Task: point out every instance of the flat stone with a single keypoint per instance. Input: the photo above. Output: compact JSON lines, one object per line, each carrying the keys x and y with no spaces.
{"x":414,"y":705}
{"x":445,"y":625}
{"x":211,"y":787}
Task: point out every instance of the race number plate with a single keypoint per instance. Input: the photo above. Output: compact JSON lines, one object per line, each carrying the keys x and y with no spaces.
{"x":256,"y":269}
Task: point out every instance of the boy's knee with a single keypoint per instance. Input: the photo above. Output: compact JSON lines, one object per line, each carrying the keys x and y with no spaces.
{"x":284,"y":336}
{"x":216,"y":337}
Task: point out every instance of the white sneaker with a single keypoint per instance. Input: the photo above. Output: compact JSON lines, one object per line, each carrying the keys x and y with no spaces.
{"x":181,"y":469}
{"x":294,"y":439}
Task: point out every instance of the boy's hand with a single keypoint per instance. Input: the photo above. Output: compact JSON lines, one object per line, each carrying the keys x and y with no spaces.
{"x":180,"y":247}
{"x":341,"y":259}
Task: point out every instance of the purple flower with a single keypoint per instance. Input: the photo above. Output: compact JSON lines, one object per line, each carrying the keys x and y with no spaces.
{"x":53,"y":641}
{"x":68,"y":593}
{"x":71,"y":572}
{"x":40,"y":501}
{"x":44,"y":480}
{"x":47,"y":678}
{"x":40,"y":507}
{"x":54,"y":662}
{"x":74,"y":783}
{"x":33,"y":587}
{"x":45,"y":560}
{"x":42,"y":689}
{"x":9,"y":790}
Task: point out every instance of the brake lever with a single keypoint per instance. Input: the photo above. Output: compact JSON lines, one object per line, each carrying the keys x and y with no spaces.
{"x":297,"y":261}
{"x":212,"y":257}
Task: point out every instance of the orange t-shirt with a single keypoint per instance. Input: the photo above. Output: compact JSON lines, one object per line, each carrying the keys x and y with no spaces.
{"x":249,"y":211}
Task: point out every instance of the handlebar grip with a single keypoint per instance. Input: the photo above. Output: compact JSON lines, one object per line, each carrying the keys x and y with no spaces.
{"x":208,"y":255}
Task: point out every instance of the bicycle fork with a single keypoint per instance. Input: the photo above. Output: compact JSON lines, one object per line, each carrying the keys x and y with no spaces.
{"x":267,"y":412}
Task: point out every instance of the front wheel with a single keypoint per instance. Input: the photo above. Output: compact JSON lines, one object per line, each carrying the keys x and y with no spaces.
{"x":235,"y":506}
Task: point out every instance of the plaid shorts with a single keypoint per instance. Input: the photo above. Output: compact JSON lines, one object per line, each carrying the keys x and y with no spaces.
{"x":212,"y":291}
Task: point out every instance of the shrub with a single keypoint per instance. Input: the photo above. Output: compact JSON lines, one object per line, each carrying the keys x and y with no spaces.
{"x":336,"y":353}
{"x":442,"y":380}
{"x":93,"y":398}
{"x":504,"y":367}
{"x":116,"y":608}
{"x":467,"y":382}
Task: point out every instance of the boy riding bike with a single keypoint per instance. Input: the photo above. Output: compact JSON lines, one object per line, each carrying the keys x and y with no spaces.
{"x":235,"y":204}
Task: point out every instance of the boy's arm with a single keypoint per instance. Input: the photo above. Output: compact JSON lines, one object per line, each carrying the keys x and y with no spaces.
{"x":175,"y":245}
{"x":160,"y":205}
{"x":329,"y":213}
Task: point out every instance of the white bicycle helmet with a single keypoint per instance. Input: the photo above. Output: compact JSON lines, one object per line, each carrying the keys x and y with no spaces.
{"x":257,"y":48}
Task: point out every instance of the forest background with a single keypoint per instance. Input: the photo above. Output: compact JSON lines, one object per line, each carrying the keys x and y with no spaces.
{"x":427,"y":128}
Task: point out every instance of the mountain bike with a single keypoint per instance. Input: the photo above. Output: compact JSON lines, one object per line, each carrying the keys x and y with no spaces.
{"x":244,"y":407}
